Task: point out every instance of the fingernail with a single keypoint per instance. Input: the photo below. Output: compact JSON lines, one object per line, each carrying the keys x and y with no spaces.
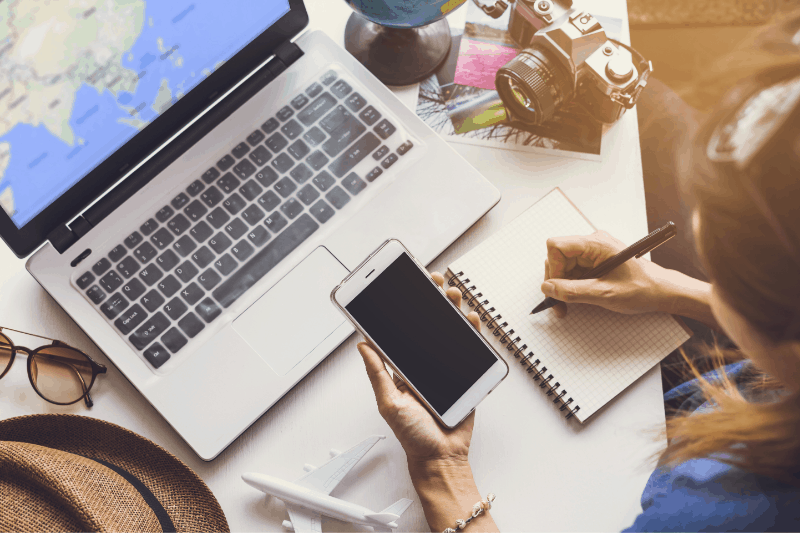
{"x":548,"y":288}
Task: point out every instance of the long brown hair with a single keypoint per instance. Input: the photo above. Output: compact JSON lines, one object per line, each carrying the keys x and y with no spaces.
{"x":749,"y":241}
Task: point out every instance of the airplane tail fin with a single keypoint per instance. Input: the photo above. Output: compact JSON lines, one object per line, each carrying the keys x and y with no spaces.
{"x":388,"y":516}
{"x":383,"y":518}
{"x":399,"y":507}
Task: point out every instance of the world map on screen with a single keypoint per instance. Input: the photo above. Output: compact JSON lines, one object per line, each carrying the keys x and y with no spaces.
{"x":79,"y":78}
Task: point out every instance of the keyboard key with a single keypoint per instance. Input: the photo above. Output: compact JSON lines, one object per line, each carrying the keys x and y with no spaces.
{"x":179,"y":201}
{"x":149,"y":331}
{"x":389,"y":161}
{"x":370,"y":115}
{"x":203,"y":257}
{"x":195,"y":210}
{"x":209,"y":279}
{"x":348,"y":131}
{"x":341,"y":89}
{"x":314,"y":89}
{"x":152,"y":300}
{"x":252,"y":215}
{"x":195,"y":188}
{"x":150,"y":274}
{"x":338,"y":197}
{"x":234,"y":203}
{"x":186,"y":271}
{"x":329,"y":77}
{"x":250,"y":190}
{"x":353,"y":184}
{"x":133,"y":289}
{"x":156,"y":355}
{"x":301,"y":173}
{"x":133,"y":240}
{"x":322,"y":211}
{"x":175,"y":308}
{"x":299,"y":101}
{"x":269,"y":201}
{"x":334,"y":119}
{"x":314,"y":136}
{"x":285,"y":187}
{"x":167,"y":260}
{"x":117,"y":253}
{"x":270,"y":126}
{"x":266,"y":176}
{"x":85,"y":280}
{"x":276,"y":142}
{"x":179,"y":224}
{"x":244,"y":169}
{"x":96,"y":294}
{"x":191,"y":325}
{"x":385,"y":129}
{"x":299,"y":149}
{"x":145,"y":252}
{"x":212,"y":196}
{"x":114,"y":305}
{"x":324,"y":181}
{"x":192,"y":293}
{"x":148,"y":227}
{"x":285,"y":113}
{"x":210,"y":175}
{"x":317,"y":109}
{"x":243,"y":249}
{"x":201,"y":231}
{"x":128,"y":267}
{"x":240,"y":150}
{"x":226,"y":162}
{"x":164,"y":213}
{"x":264,"y":260}
{"x":404,"y":148}
{"x":184,"y":246}
{"x":219,"y":243}
{"x":354,"y":155}
{"x":101,"y":266}
{"x":236,"y":228}
{"x":355,"y":102}
{"x":174,"y":340}
{"x":130,"y":318}
{"x":291,"y":208}
{"x":260,"y":156}
{"x":258,"y":236}
{"x":111,"y":281}
{"x":225,"y":264}
{"x":317,"y":160}
{"x":283,"y":163}
{"x":218,"y":217}
{"x":228,"y":182}
{"x":374,"y":173}
{"x":255,"y":138}
{"x":208,"y":310}
{"x":308,"y":194}
{"x":380,"y":153}
{"x":162,"y":238}
{"x":275,"y":222}
{"x":169,"y":285}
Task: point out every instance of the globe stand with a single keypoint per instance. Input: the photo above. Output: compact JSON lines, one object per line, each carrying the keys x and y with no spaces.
{"x":398,"y":56}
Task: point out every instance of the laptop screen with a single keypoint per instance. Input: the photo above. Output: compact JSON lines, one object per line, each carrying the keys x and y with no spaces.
{"x":78,"y":79}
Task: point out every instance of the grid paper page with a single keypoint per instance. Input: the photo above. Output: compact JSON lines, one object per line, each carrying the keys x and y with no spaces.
{"x":593,"y":353}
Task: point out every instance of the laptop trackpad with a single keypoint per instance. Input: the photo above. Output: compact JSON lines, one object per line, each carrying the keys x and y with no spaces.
{"x":295,"y":315}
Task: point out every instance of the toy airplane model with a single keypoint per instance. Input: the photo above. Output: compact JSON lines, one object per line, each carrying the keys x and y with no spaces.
{"x":308,"y":498}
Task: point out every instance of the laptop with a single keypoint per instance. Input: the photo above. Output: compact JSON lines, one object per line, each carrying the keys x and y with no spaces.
{"x":192,"y":182}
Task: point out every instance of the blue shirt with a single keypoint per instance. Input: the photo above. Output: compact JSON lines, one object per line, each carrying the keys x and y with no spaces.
{"x":709,"y":495}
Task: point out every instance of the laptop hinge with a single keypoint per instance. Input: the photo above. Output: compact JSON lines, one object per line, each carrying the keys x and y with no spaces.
{"x":288,"y":53}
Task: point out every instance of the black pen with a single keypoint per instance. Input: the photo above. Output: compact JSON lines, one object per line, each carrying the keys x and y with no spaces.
{"x":648,"y":244}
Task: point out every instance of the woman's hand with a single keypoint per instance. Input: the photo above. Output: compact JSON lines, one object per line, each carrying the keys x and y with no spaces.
{"x":423,"y":438}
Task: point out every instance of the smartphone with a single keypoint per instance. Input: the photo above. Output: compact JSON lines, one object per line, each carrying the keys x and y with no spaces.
{"x":392,"y":300}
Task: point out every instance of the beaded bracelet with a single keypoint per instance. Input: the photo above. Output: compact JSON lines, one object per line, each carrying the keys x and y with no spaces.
{"x":477,"y":509}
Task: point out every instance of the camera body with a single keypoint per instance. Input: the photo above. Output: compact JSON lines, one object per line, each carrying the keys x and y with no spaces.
{"x":567,"y":56}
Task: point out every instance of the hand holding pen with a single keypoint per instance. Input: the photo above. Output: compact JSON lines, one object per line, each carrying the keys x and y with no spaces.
{"x":628,"y":283}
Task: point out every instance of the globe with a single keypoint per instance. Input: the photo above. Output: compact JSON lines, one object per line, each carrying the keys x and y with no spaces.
{"x":400,"y":41}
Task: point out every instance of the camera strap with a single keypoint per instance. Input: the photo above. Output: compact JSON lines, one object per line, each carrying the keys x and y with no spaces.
{"x":630,"y":96}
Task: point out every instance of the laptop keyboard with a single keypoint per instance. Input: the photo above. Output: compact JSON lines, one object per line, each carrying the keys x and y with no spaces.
{"x":174,"y":275}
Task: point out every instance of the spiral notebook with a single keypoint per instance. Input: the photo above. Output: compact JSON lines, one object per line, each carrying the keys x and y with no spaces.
{"x":581,"y":361}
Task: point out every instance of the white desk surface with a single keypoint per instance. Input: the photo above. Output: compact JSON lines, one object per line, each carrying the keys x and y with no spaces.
{"x":548,"y":474}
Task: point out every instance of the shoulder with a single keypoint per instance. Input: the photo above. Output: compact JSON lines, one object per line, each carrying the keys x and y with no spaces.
{"x":705,"y":494}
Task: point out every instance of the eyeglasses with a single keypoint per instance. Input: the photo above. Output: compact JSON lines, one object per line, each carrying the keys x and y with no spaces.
{"x":58,"y":372}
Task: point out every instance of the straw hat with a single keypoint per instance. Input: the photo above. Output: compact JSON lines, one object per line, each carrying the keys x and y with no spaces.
{"x":73,"y":473}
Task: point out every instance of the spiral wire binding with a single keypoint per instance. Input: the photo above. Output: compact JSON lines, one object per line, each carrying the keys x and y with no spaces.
{"x":497,"y":328}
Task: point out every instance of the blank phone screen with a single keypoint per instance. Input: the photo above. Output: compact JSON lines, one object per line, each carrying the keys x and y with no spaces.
{"x":417,"y":328}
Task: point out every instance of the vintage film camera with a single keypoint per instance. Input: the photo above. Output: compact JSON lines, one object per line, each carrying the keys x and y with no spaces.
{"x":566,"y":57}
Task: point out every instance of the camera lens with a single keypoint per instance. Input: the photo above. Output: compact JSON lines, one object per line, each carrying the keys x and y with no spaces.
{"x":532,"y":86}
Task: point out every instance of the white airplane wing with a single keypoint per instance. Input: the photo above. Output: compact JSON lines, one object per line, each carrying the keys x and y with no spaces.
{"x":325,"y":478}
{"x":303,"y":520}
